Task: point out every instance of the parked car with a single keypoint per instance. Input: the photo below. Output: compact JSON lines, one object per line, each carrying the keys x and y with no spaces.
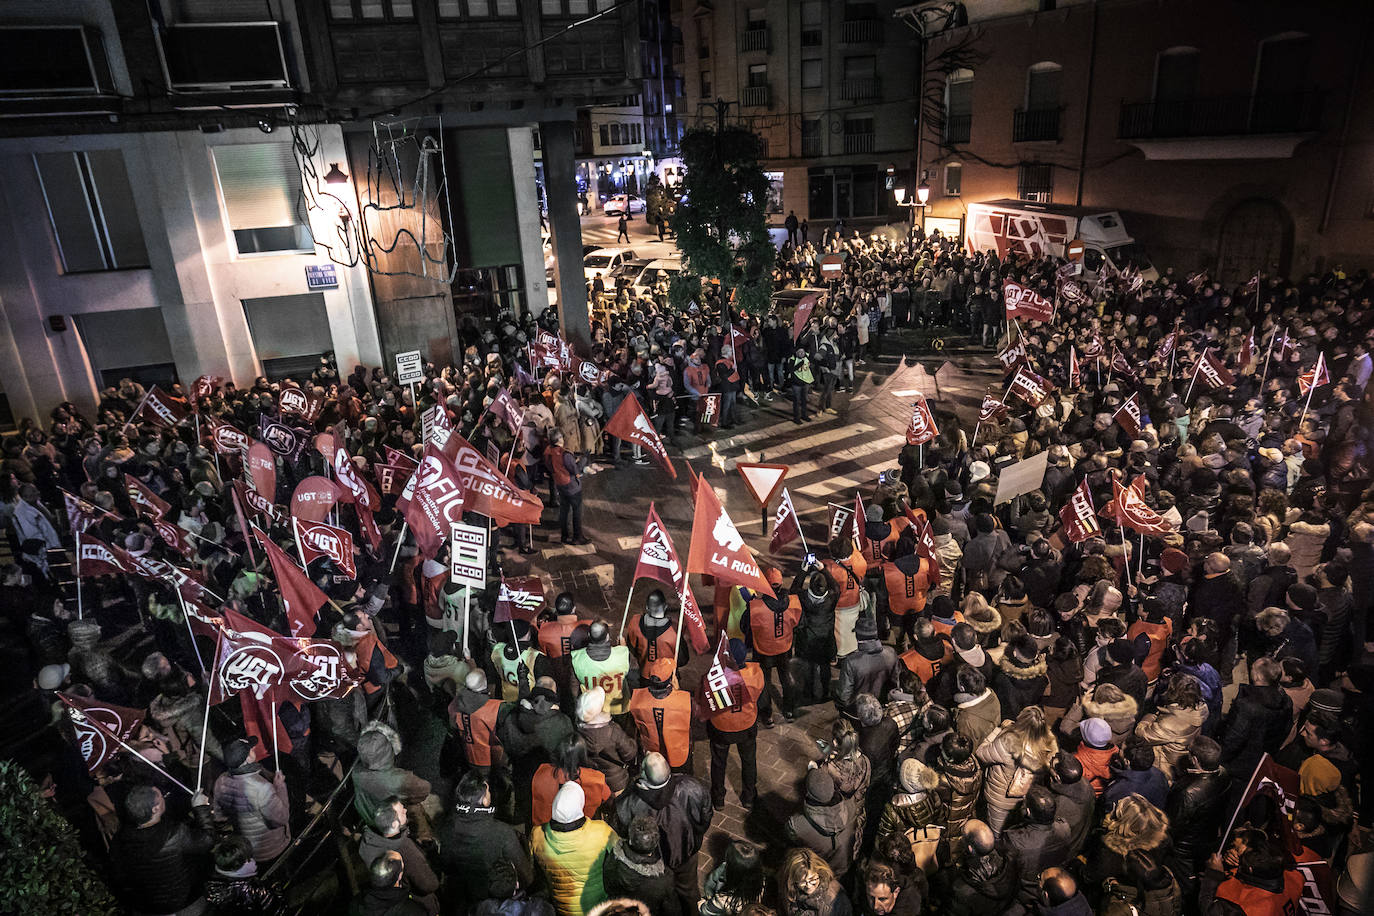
{"x":623,"y":203}
{"x":602,"y":261}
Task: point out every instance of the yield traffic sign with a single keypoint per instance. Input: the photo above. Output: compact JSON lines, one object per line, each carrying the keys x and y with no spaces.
{"x":763,"y":480}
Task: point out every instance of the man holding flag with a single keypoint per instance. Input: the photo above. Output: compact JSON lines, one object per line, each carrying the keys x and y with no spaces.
{"x":730,"y":697}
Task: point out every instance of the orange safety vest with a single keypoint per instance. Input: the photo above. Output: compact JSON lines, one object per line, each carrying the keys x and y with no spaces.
{"x":906,"y":594}
{"x":655,"y":658}
{"x":945,"y":629}
{"x":477,"y":730}
{"x":925,"y":668}
{"x":1256,"y":901}
{"x":743,"y":715}
{"x":548,"y":780}
{"x":1159,"y":641}
{"x":664,"y":726}
{"x":772,"y":630}
{"x":847,"y":586}
{"x":555,"y":636}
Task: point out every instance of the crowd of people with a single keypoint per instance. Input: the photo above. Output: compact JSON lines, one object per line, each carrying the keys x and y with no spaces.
{"x":1022,"y":718}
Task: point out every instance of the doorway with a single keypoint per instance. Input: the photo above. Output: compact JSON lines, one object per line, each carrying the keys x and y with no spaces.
{"x":1255,"y":237}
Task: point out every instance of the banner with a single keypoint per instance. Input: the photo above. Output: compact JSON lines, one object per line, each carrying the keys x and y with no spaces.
{"x":1128,"y":416}
{"x":487,"y":490}
{"x":1077,"y":516}
{"x":658,"y":560}
{"x":1024,"y":302}
{"x":722,"y":687}
{"x":432,"y":500}
{"x":145,"y":501}
{"x":228,"y":439}
{"x":1022,"y":477}
{"x":99,"y":727}
{"x":520,"y":598}
{"x":589,"y":372}
{"x":921,"y":429}
{"x":631,"y":424}
{"x":318,"y":539}
{"x":717,"y":548}
{"x":313,"y":498}
{"x":708,"y":410}
{"x":1030,"y":387}
{"x":786,"y":525}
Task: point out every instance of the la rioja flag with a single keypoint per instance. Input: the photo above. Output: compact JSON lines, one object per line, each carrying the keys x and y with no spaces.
{"x":922,"y":427}
{"x":631,"y":424}
{"x":718,"y":550}
{"x":1024,"y":302}
{"x":1078,"y":517}
{"x":786,"y":526}
{"x":658,"y":560}
{"x":1316,"y":378}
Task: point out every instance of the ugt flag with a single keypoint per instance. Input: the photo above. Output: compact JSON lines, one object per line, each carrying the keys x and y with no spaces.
{"x":922,"y":427}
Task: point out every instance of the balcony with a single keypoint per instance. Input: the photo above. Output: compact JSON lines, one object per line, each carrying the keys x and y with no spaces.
{"x":1267,"y":113}
{"x":813,"y":146}
{"x":860,"y":31}
{"x":754,"y":40}
{"x":1035,"y":124}
{"x":858,"y":90}
{"x":756,"y":96}
{"x":958,"y":129}
{"x":858,"y":143}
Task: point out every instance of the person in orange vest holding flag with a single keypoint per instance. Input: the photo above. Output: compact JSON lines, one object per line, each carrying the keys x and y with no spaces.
{"x":881,"y":536}
{"x":558,"y":636}
{"x":733,"y":687}
{"x":663,"y":720}
{"x":902,"y":589}
{"x":474,"y":714}
{"x":1260,"y":886}
{"x":376,"y":663}
{"x":651,"y":637}
{"x":846,"y":567}
{"x":769,"y":624}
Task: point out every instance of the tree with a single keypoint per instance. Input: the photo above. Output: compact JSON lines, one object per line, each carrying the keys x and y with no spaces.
{"x":720,"y":223}
{"x":42,"y":867}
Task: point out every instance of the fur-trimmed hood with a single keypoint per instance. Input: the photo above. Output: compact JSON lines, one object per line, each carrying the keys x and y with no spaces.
{"x":1145,"y":841}
{"x":1126,"y":708}
{"x":642,"y":865}
{"x":1035,"y":669}
{"x":989,"y":624}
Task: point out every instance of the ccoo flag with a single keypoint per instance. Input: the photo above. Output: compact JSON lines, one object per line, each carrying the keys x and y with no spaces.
{"x":786,"y":525}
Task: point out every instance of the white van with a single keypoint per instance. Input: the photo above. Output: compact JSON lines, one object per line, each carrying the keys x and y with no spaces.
{"x":1019,"y":227}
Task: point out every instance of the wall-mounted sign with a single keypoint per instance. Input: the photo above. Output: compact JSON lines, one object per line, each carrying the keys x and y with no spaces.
{"x":321,"y":276}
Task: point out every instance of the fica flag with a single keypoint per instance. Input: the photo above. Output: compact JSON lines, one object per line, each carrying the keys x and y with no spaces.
{"x":432,"y":501}
{"x":485,"y":489}
{"x":1078,"y":517}
{"x":658,"y":560}
{"x":1024,"y":302}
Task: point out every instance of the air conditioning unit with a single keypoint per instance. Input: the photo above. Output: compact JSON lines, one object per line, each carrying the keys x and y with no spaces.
{"x":44,"y":61}
{"x":1039,"y":197}
{"x":224,"y":55}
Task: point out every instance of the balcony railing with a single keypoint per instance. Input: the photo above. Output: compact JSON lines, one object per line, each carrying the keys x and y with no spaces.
{"x":958,"y":128}
{"x":813,"y":146}
{"x":1299,"y":111}
{"x":756,"y":96}
{"x":858,"y":143}
{"x":860,"y":31}
{"x":1035,"y":124}
{"x":859,"y":89}
{"x":754,"y":40}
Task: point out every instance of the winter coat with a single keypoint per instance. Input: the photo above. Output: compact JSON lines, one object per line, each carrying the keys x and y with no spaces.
{"x":1003,"y":756}
{"x":471,"y":841}
{"x":160,"y":868}
{"x":1032,"y":848}
{"x":1150,"y":784}
{"x":241,"y":895}
{"x":1019,"y":686}
{"x":1306,"y":541}
{"x":530,"y":738}
{"x":419,"y":878}
{"x":1196,"y":806}
{"x":911,"y":810}
{"x":961,"y":784}
{"x":388,"y":901}
{"x":1074,"y":802}
{"x":1219,"y":598}
{"x":611,"y":751}
{"x":827,"y":830}
{"x":572,"y":859}
{"x":376,"y":777}
{"x":1258,"y":722}
{"x":257,"y":807}
{"x":1120,"y":716}
{"x":975,"y":719}
{"x":682,"y":809}
{"x":869,"y":669}
{"x":1171,"y":729}
{"x":626,"y":873}
{"x":979,"y":887}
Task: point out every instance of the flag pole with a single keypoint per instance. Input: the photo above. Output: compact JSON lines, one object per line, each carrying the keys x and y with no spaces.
{"x":123,"y":429}
{"x":1196,"y":367}
{"x":79,"y":612}
{"x":276,"y":763}
{"x":185,"y":615}
{"x":1307,"y":403}
{"x":1125,"y":557}
{"x":205,"y":723}
{"x":400,"y":539}
{"x":974,"y":444}
{"x":1140,"y":563}
{"x":626,"y":616}
{"x":1268,"y":352}
{"x":467,"y":592}
{"x":681,"y":610}
{"x":300,"y":548}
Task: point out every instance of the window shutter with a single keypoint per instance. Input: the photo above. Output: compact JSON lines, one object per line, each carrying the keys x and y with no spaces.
{"x":125,"y":338}
{"x":260,"y":183}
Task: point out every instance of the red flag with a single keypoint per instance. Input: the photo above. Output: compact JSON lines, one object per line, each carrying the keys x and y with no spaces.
{"x":1024,"y":302}
{"x":1093,"y":349}
{"x":520,"y":598}
{"x":174,"y":537}
{"x":259,"y":661}
{"x":857,"y":531}
{"x":786,"y":525}
{"x":1315,"y":378}
{"x":145,"y":501}
{"x":1212,"y":372}
{"x":840,"y":516}
{"x":1167,"y":345}
{"x":391,"y":478}
{"x":1030,"y":387}
{"x":353,"y":486}
{"x":631,"y":424}
{"x":722,"y":687}
{"x":1247,"y":350}
{"x":203,"y":388}
{"x":161,"y":408}
{"x":1014,"y":355}
{"x":717,"y":548}
{"x":401,"y":459}
{"x":992,"y":409}
{"x":314,"y":497}
{"x":262,"y":470}
{"x":305,"y":404}
{"x":254,"y":500}
{"x":658,"y":560}
{"x":805,"y":305}
{"x":228,"y":439}
{"x":96,"y":558}
{"x":1072,"y":291}
{"x":1122,"y":366}
{"x":81,"y":514}
{"x":1128,"y":415}
{"x":504,"y":408}
{"x":921,"y":429}
{"x":589,"y":371}
{"x":303,"y":599}
{"x":487,"y":490}
{"x":99,"y":727}
{"x":1132,"y":512}
{"x":320,"y":540}
{"x":708,"y":410}
{"x":432,"y":501}
{"x":1075,"y":376}
{"x":925,"y":538}
{"x":1078,"y":517}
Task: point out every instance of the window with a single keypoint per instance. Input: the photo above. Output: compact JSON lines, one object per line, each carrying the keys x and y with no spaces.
{"x":128,"y":343}
{"x":705,"y":83}
{"x":812,"y":74}
{"x":812,"y":20}
{"x":260,"y":185}
{"x":758,"y":19}
{"x":289,"y":333}
{"x":605,"y":133}
{"x":1176,"y":75}
{"x":703,"y":47}
{"x":758,"y":75}
{"x":854,"y":11}
{"x":1042,"y":86}
{"x":860,"y":68}
{"x":954,"y":179}
{"x":565,"y":7}
{"x":372,"y":9}
{"x":1035,"y":181}
{"x":91,"y":206}
{"x":1284,"y":63}
{"x":476,"y":9}
{"x":959,"y":106}
{"x":812,"y":140}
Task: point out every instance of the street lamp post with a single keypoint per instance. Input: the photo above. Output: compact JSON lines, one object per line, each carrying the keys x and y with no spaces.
{"x":921,"y":200}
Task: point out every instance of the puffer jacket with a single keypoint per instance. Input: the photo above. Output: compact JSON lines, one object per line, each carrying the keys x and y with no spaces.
{"x":1019,"y":686}
{"x":258,"y":808}
{"x":911,"y":809}
{"x":627,"y":873}
{"x":1306,"y":541}
{"x":611,"y":751}
{"x":1002,"y":756}
{"x":826,"y":830}
{"x":975,"y":719}
{"x":1171,"y":729}
{"x":376,"y":777}
{"x":960,"y":784}
{"x":161,"y":868}
{"x":572,"y":858}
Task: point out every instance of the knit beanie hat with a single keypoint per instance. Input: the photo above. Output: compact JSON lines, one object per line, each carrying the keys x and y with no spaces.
{"x":1317,"y":776}
{"x":1173,"y":560}
{"x":820,"y":787}
{"x":1096,"y":732}
{"x":567,"y":804}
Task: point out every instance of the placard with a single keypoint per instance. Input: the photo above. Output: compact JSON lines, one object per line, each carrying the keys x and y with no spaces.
{"x":468,"y":556}
{"x":1021,"y":478}
{"x":410,"y":367}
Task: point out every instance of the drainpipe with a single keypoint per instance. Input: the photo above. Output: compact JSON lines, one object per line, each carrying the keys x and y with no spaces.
{"x":1345,"y":131}
{"x":1087,"y":108}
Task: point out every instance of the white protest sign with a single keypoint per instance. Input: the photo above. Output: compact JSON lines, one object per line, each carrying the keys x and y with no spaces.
{"x":409,"y":367}
{"x":1021,"y":478}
